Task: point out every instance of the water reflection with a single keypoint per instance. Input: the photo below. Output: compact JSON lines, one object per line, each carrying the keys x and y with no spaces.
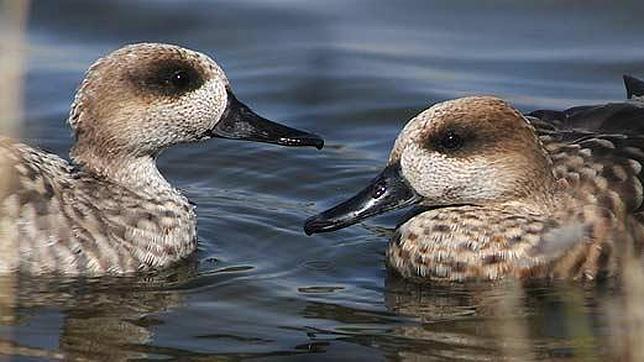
{"x":118,"y":319}
{"x":103,"y":318}
{"x":521,"y":322}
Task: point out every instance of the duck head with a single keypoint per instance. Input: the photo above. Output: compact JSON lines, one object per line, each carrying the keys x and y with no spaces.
{"x":143,"y":98}
{"x":473,"y":150}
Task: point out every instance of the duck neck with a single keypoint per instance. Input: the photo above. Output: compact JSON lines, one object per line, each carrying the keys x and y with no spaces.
{"x":544,"y":196}
{"x":136,"y":173}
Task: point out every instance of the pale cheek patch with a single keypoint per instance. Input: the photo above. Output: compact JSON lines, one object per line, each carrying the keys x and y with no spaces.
{"x":189,"y":118}
{"x":203,"y":108}
{"x":444,"y":180}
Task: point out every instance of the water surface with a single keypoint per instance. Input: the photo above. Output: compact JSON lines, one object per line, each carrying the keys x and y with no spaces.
{"x":354,"y":72}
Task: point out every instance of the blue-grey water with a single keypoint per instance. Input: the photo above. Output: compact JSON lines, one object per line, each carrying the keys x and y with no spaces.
{"x":353,"y":71}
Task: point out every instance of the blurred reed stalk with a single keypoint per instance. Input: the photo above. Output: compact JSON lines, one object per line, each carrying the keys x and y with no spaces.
{"x":633,"y":310}
{"x":510,"y":327}
{"x":13,"y":21}
{"x":626,"y":312}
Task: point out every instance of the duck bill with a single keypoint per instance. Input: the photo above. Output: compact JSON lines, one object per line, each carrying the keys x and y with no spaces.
{"x":388,"y":191}
{"x":240,"y":123}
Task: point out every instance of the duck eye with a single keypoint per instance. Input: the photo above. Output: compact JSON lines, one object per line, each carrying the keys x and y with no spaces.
{"x":180,"y":79}
{"x":451,"y":141}
{"x":169,"y":77}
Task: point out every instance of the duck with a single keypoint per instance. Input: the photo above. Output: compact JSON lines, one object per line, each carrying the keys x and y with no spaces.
{"x":503,"y":195}
{"x":109,"y":210}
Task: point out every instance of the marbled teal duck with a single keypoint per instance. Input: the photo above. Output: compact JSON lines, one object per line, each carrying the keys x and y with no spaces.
{"x":504,"y":196}
{"x":110,"y":210}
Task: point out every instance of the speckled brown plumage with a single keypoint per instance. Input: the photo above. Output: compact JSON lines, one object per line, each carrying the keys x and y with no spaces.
{"x":56,"y":218}
{"x":110,"y":210}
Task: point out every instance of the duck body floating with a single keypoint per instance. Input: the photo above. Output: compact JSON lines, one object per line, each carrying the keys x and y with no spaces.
{"x":110,"y":211}
{"x":504,"y":195}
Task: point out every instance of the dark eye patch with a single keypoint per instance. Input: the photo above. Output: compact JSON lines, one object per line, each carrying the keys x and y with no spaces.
{"x":450,"y":140}
{"x":171,"y":78}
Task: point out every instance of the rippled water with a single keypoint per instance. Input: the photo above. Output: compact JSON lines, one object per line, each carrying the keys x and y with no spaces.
{"x":354,"y":72}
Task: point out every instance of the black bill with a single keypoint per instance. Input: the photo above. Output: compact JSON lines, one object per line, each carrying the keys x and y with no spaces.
{"x":388,"y":191}
{"x":240,"y":123}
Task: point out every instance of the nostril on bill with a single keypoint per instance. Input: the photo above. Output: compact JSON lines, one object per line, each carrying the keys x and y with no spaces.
{"x":379,"y":189}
